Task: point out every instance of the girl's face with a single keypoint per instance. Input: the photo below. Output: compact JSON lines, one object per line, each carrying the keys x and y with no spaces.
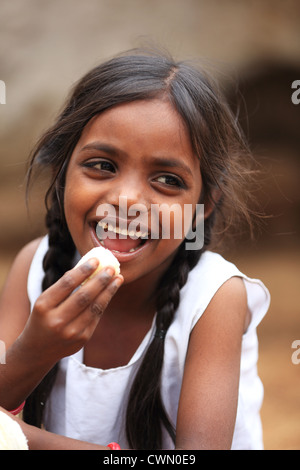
{"x":134,"y":153}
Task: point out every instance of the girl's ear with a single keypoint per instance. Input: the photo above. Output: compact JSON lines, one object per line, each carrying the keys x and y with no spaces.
{"x":211,"y":202}
{"x":209,"y":206}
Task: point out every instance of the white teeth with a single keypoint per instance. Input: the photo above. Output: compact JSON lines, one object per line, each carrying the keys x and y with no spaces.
{"x":122,"y":231}
{"x":131,"y":233}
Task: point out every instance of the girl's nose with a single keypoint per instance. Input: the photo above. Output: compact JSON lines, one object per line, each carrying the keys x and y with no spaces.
{"x":129,"y":209}
{"x":130,"y":195}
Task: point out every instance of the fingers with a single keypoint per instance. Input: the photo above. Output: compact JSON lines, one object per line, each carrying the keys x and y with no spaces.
{"x":83,"y":309}
{"x":101,"y":302}
{"x":95,"y":294}
{"x":70,"y":308}
{"x":70,"y":281}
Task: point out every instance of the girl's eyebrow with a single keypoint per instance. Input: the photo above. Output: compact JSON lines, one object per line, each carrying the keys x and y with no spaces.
{"x":101,"y":147}
{"x":172,"y":163}
{"x":160,"y":161}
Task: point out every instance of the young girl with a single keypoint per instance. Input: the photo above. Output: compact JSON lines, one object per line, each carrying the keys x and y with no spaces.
{"x":163,"y":355}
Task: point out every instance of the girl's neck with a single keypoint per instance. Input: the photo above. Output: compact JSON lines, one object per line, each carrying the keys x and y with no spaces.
{"x":135,"y":298}
{"x":125,"y":322}
{"x":139,"y":296}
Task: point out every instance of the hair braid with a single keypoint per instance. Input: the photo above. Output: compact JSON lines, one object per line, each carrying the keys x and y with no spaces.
{"x":145,"y":410}
{"x":60,"y":254}
{"x":57,"y":261}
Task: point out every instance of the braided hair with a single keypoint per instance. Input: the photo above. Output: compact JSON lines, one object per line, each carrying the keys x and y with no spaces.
{"x":56,"y":262}
{"x":221,"y":148}
{"x":144,"y":430}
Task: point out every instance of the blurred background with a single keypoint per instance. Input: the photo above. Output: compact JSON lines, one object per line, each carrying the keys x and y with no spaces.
{"x":253,"y":47}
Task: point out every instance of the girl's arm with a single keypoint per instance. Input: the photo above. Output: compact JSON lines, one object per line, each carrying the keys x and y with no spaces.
{"x":62,"y":321}
{"x":14,"y":313}
{"x":209,"y":395}
{"x":14,"y":302}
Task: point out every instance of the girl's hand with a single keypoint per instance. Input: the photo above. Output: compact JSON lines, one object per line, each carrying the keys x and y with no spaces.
{"x":65,"y":316}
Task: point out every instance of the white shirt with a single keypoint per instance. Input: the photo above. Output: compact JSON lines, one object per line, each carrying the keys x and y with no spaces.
{"x":89,"y":404}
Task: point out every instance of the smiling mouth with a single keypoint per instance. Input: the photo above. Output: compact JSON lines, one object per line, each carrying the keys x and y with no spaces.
{"x":120,"y":240}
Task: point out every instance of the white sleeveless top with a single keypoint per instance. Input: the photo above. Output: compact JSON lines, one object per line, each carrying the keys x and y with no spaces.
{"x":90,"y":404}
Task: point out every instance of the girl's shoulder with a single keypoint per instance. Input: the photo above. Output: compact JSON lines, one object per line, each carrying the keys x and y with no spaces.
{"x":21,"y":266}
{"x":23,"y":260}
{"x":213,"y":271}
{"x":28,"y":251}
{"x":14,"y":301}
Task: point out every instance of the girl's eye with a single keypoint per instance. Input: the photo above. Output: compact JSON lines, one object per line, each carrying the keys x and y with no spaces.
{"x":101,"y":165}
{"x":170,"y":180}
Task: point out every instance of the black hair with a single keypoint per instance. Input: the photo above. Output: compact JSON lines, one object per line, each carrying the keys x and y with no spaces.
{"x":221,"y":149}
